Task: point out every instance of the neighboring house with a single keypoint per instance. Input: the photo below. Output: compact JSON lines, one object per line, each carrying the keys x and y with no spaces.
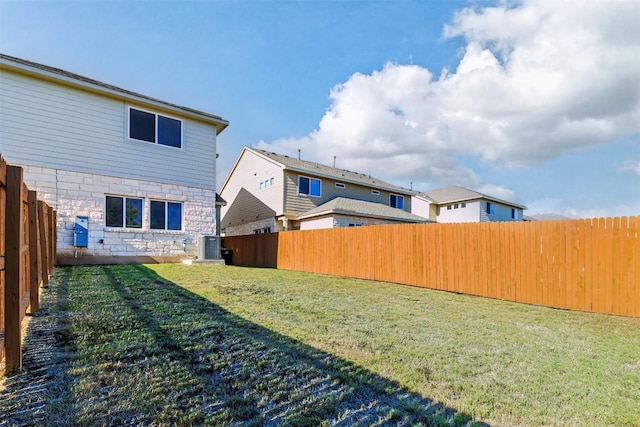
{"x":269,"y":192}
{"x":545,"y":217}
{"x":138,"y":172}
{"x":460,"y":204}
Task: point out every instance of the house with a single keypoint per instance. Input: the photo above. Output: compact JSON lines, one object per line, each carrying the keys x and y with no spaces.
{"x":545,"y":217}
{"x":460,"y":204}
{"x":129,"y":175}
{"x":269,"y":192}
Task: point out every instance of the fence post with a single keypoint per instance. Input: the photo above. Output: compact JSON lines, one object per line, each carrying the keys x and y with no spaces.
{"x":13,"y":272}
{"x":44,"y":250}
{"x":34,"y":280}
{"x":52,"y":239}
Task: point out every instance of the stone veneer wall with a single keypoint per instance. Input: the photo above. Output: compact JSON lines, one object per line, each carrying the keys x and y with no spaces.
{"x":77,"y":193}
{"x":344,"y":221}
{"x":248,"y":228}
{"x":276,"y":226}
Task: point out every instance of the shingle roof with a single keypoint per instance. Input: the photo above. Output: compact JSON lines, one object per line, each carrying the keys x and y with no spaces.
{"x":345,"y":206}
{"x":545,"y":217}
{"x":42,"y":69}
{"x":220,"y":201}
{"x":342,"y":175}
{"x":456,"y":193}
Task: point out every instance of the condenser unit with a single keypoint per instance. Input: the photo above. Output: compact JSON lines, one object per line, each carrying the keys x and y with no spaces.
{"x":208,"y":247}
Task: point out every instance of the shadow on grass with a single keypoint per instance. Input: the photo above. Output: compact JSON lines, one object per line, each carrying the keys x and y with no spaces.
{"x":32,"y":395}
{"x":147,"y":351}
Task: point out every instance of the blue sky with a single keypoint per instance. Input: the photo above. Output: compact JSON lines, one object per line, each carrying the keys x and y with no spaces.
{"x":532,"y":101}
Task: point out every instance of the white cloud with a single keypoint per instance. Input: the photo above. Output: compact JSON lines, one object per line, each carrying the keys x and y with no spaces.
{"x":632,"y":166}
{"x":500,"y":192}
{"x":535,"y":81}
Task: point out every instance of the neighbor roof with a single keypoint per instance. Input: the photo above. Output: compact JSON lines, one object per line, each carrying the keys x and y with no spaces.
{"x":457,"y":193}
{"x":341,"y":175}
{"x":545,"y":217}
{"x":71,"y":79}
{"x":353,"y":207}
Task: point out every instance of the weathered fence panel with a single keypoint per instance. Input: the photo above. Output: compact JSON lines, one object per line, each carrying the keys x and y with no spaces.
{"x":588,"y":264}
{"x":27,"y":240}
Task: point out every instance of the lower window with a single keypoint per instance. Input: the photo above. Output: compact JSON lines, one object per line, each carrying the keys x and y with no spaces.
{"x":124,"y":212}
{"x":165,"y":215}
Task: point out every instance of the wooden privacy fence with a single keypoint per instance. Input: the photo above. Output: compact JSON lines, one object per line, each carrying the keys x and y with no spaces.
{"x":590,"y":265}
{"x":27,"y":248}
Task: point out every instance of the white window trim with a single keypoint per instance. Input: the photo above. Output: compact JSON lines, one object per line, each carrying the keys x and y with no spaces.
{"x":155,"y":143}
{"x":166,"y":216}
{"x":124,"y":227}
{"x":309,"y":178}
{"x":340,"y":185}
{"x":375,"y":192}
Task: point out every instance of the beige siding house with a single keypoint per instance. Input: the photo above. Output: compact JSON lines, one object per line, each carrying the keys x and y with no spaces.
{"x":460,"y":204}
{"x":268,"y":192}
{"x":140,"y":170}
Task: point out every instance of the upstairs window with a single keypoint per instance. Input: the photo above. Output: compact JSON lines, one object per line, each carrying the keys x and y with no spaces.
{"x":396,"y":201}
{"x":513,"y":213}
{"x":309,"y":186}
{"x":375,"y":192}
{"x":124,"y":212}
{"x":490,"y":208}
{"x":155,"y":128}
{"x":340,"y":185}
{"x":267,"y":183}
{"x":165,"y":215}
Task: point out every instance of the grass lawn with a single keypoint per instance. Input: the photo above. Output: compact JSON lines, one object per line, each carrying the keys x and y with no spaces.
{"x":188,"y":345}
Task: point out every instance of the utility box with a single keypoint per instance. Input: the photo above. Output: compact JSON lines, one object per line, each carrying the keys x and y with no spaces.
{"x":81,"y":232}
{"x":208,"y":248}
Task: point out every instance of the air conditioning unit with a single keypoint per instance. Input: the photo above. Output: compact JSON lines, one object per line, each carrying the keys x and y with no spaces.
{"x":208,"y":247}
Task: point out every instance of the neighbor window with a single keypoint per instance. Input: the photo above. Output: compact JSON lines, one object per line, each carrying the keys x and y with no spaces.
{"x":375,"y":192}
{"x":165,"y":215}
{"x":309,"y":186}
{"x":267,"y":183}
{"x":490,"y":208}
{"x":340,"y":185}
{"x":463,"y":205}
{"x":513,"y":213}
{"x":155,"y":128}
{"x":448,"y":207}
{"x":124,"y":212}
{"x":396,"y":201}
